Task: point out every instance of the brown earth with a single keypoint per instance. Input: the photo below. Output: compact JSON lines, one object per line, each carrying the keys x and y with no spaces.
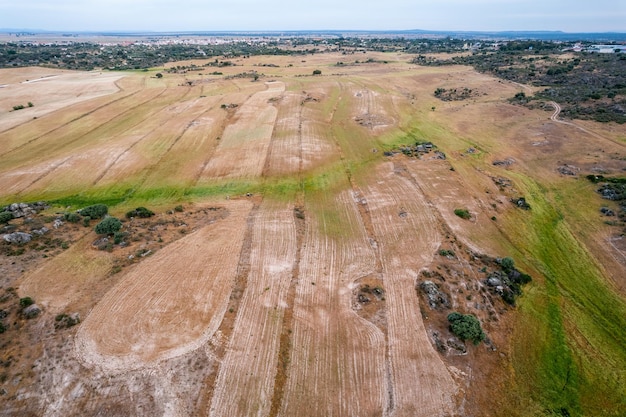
{"x":302,"y":297}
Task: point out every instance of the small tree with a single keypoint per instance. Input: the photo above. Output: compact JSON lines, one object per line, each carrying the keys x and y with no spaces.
{"x":466,"y":327}
{"x":108,"y":226}
{"x":317,"y":72}
{"x":97,"y":211}
{"x":6,"y":216}
{"x":507,"y":264}
{"x":140,"y":212}
{"x":72,"y":217}
{"x":26,"y":301}
{"x":159,"y":75}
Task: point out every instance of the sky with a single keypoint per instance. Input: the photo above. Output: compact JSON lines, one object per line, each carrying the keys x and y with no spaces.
{"x":276,"y":15}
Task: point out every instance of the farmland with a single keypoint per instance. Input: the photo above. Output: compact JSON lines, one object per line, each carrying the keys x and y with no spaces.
{"x":284,"y":270}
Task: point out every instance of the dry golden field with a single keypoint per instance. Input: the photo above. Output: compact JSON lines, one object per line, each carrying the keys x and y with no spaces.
{"x":288,"y":281}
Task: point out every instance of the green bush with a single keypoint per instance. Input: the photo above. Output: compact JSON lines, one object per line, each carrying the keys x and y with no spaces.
{"x":86,"y":221}
{"x":507,"y":264}
{"x":140,"y":212}
{"x":178,"y":209}
{"x":26,"y":301}
{"x":118,"y":237}
{"x":463,"y":213}
{"x":72,"y":217}
{"x":97,"y":211}
{"x":6,"y":216}
{"x":466,"y":327}
{"x":108,"y":226}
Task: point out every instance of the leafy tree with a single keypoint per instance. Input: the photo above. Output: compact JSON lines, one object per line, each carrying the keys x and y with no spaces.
{"x":108,"y":226}
{"x":466,"y":327}
{"x":97,"y":211}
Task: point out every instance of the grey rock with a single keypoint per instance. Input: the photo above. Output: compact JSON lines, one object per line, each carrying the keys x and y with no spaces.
{"x":18,"y":238}
{"x":435,"y":297}
{"x":494,"y":281}
{"x":41,"y":231}
{"x":31,"y":311}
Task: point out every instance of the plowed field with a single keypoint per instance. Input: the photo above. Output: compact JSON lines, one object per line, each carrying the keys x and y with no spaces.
{"x":284,"y":271}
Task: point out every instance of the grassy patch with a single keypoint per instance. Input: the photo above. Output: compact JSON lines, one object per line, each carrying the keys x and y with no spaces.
{"x":569,"y":344}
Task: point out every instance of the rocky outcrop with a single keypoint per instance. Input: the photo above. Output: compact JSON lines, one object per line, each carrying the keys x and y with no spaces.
{"x":18,"y":238}
{"x":26,"y":209}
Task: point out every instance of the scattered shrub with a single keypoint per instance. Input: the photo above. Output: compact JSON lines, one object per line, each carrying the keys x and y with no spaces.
{"x":466,"y":327}
{"x":26,"y":301}
{"x":72,"y":217}
{"x":108,"y":226}
{"x":97,"y":211}
{"x":6,"y":216}
{"x":446,"y":252}
{"x":118,"y":237}
{"x":463,"y":213}
{"x":66,"y":321}
{"x":86,"y":221}
{"x":521,"y":203}
{"x":507,"y":264}
{"x":178,"y":209}
{"x":141,"y":212}
{"x":317,"y":72}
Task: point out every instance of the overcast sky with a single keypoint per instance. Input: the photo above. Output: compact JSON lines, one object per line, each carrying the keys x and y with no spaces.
{"x":212,"y":15}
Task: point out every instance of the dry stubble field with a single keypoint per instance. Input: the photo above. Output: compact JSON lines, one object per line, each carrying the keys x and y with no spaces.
{"x":302,"y":296}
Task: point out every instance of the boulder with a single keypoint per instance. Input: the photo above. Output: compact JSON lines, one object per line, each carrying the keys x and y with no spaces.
{"x":31,"y":311}
{"x":494,"y":281}
{"x":41,"y":231}
{"x":435,"y":297}
{"x":18,"y":238}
